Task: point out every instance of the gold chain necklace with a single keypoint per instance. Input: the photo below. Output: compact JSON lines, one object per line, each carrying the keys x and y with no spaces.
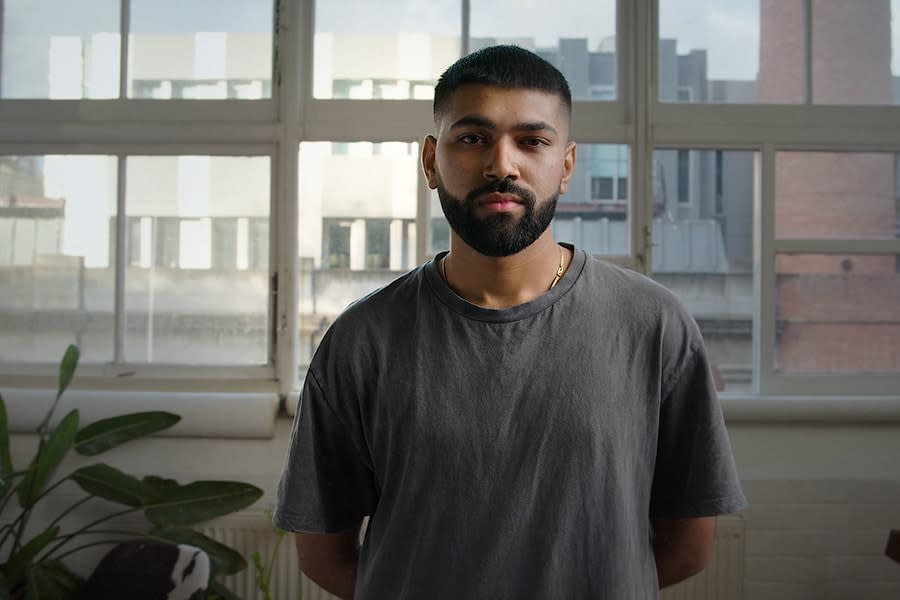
{"x":559,"y":271}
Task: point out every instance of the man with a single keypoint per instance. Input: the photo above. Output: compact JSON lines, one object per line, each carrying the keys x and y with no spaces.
{"x":515,"y":418}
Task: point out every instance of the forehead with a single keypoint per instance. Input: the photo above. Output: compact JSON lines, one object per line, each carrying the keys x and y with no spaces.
{"x":504,"y":105}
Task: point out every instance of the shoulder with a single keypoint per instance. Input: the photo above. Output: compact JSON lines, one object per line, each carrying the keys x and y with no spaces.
{"x":631,"y":293}
{"x":646,"y":310}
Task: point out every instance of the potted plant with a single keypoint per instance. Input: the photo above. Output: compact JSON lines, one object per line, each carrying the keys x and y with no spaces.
{"x":33,"y":564}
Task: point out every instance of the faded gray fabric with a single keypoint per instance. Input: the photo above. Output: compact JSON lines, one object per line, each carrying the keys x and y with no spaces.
{"x":509,"y":454}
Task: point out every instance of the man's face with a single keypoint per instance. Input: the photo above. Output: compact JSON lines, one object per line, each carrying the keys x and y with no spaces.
{"x":499,"y":163}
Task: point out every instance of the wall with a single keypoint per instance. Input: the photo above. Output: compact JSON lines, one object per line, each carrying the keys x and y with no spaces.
{"x":823,"y":498}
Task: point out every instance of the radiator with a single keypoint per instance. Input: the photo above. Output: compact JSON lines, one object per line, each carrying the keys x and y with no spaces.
{"x":722,"y":579}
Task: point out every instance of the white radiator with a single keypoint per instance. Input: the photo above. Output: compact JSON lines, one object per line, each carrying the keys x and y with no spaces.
{"x":722,"y":579}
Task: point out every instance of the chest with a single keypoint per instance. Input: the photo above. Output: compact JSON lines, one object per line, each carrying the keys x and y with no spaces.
{"x":485,"y":399}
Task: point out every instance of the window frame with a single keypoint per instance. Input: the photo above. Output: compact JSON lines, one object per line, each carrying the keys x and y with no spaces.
{"x":276,"y":126}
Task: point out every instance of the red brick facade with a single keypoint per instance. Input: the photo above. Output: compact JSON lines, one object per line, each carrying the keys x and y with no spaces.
{"x":835,"y":313}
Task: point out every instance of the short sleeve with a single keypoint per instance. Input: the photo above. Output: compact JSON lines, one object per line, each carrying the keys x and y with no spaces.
{"x":694,"y":475}
{"x":326,"y":485}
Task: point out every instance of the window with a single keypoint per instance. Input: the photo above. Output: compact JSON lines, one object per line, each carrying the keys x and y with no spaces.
{"x":393,"y":50}
{"x":704,"y":253}
{"x":593,"y":214}
{"x":602,"y":188}
{"x":200,"y":50}
{"x":60,"y":50}
{"x":192,"y":190}
{"x":57,"y":256}
{"x":836,"y":289}
{"x":582,"y":47}
{"x":793,"y":51}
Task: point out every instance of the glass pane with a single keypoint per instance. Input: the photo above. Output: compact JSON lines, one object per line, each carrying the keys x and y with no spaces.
{"x":203,"y":49}
{"x":851,"y":52}
{"x":593,"y":214}
{"x":394,"y":50}
{"x":837,"y":314}
{"x":57,"y":257}
{"x":59,"y":49}
{"x":353,"y":238}
{"x":703,"y":250}
{"x":582,"y":47}
{"x":835,"y":195}
{"x":697,"y":58}
{"x":197,"y":248}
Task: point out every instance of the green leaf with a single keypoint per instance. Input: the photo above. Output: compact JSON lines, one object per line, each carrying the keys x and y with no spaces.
{"x":110,"y":484}
{"x":218,"y":591}
{"x":67,"y":368}
{"x":222,"y":559}
{"x":48,"y":458}
{"x":102,"y":435}
{"x":18,"y":564}
{"x":168,"y":504}
{"x":6,"y":466}
{"x":153,"y":486}
{"x":53,"y":581}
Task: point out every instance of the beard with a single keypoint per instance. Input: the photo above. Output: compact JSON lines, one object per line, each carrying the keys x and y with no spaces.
{"x":500,"y":234}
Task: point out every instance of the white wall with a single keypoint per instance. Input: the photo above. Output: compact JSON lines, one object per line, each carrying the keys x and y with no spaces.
{"x":822,"y":498}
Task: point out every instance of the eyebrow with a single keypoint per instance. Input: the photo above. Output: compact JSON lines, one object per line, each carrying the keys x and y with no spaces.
{"x":476,"y":121}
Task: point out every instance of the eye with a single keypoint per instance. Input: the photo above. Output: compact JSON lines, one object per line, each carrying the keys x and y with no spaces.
{"x":534,"y":142}
{"x":471,"y":138}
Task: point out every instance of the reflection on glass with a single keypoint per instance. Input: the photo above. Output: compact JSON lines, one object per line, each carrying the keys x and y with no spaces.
{"x":583,"y":48}
{"x":197,"y":254}
{"x":353,"y":237}
{"x":201,"y":49}
{"x":59,"y":49}
{"x":57,"y":257}
{"x":837,"y":195}
{"x":837,"y":314}
{"x":593,"y":214}
{"x":703,"y":250}
{"x":373,"y":50}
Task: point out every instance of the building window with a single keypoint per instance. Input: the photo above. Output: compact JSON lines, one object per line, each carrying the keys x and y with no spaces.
{"x":602,"y":188}
{"x":336,"y":244}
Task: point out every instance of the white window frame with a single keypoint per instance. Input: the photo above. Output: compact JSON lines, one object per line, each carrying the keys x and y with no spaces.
{"x":276,"y":127}
{"x":768,"y":129}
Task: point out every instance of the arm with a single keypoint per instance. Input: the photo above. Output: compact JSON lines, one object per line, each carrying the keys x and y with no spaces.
{"x":681,"y":547}
{"x":330,"y":559}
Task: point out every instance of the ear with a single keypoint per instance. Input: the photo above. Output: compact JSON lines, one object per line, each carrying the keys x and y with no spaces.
{"x":568,"y":168}
{"x":428,"y":148}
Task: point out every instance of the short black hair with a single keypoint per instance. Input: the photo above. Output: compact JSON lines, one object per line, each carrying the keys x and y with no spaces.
{"x":505,"y":67}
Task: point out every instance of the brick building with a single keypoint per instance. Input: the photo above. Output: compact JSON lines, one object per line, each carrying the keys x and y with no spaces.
{"x":836,"y":313}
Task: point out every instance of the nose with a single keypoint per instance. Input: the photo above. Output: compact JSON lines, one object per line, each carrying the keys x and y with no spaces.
{"x":502,"y":161}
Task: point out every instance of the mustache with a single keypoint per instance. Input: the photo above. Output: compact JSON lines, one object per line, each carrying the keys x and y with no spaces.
{"x":502,"y":186}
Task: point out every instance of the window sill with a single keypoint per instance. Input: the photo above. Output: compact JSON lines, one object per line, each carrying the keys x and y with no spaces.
{"x":246,"y":414}
{"x":811,"y":409}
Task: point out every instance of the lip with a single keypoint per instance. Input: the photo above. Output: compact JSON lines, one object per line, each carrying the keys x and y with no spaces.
{"x":496,"y":201}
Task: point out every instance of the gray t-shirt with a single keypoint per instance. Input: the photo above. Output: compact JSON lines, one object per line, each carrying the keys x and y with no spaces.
{"x":514,"y":453}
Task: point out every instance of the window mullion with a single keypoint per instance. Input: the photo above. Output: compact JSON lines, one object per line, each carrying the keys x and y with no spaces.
{"x":643,"y":47}
{"x":764,"y":270}
{"x":293,"y":37}
{"x":466,"y":27}
{"x":119,"y":327}
{"x":124,"y":24}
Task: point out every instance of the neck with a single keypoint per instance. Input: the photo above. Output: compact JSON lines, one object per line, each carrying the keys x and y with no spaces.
{"x":502,"y":282}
